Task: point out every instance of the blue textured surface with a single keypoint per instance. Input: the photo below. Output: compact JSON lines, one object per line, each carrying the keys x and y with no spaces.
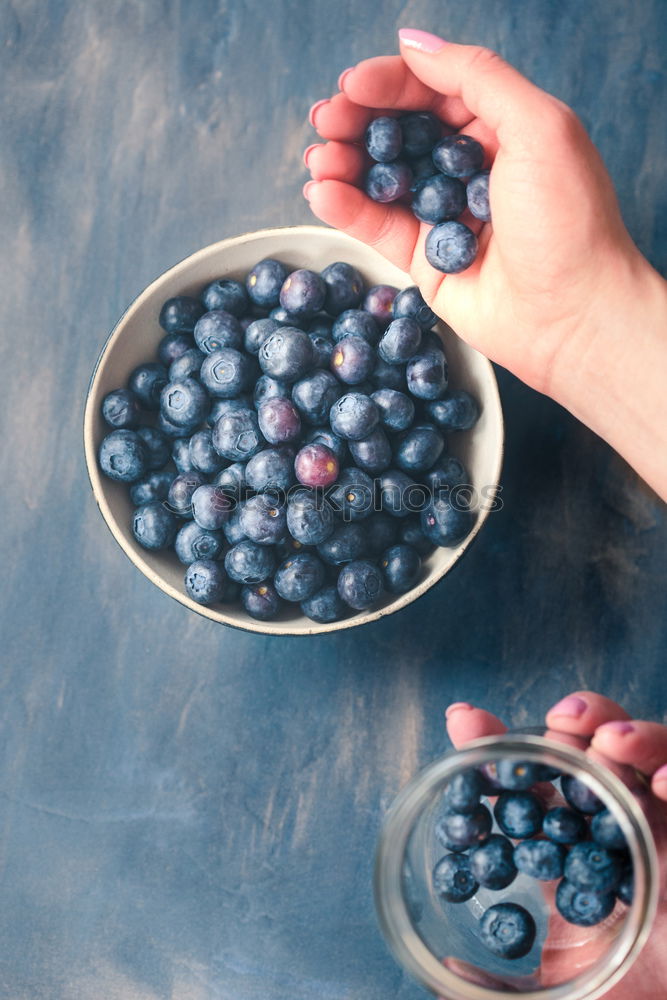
{"x":187,"y":811}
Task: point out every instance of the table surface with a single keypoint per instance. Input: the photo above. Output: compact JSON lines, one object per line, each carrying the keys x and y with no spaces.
{"x":188,"y":811}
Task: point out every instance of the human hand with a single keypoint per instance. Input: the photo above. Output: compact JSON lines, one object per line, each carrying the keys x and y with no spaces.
{"x":606,"y":731}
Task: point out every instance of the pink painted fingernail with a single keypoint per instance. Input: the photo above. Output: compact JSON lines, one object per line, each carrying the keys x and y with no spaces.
{"x":342,"y":77}
{"x":422,"y":41}
{"x":617,"y":726}
{"x":312,"y":114}
{"x":308,"y":151}
{"x":456,"y":706}
{"x":661,"y":774}
{"x":307,"y":188}
{"x":571,"y":707}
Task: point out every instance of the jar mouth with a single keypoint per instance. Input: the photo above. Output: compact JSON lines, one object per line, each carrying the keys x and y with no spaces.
{"x":393,"y":910}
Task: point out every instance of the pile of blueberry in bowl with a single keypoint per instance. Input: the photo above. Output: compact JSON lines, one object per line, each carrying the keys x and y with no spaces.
{"x":289,"y":443}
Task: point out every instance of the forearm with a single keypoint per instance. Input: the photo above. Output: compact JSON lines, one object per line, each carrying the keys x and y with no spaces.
{"x":615,"y":379}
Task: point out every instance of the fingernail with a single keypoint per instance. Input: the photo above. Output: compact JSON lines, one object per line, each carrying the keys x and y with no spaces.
{"x":422,"y":41}
{"x":618,"y":726}
{"x":307,"y":188}
{"x":312,"y":114}
{"x":571,"y":707}
{"x":661,"y":774}
{"x":456,"y":706}
{"x":342,"y":77}
{"x":308,"y":151}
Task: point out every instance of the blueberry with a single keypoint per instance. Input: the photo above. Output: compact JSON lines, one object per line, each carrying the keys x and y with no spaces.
{"x":518,"y":814}
{"x":122,"y":456}
{"x":226,"y":294}
{"x":383,"y":139}
{"x":626,"y":887}
{"x":257,"y":332}
{"x":458,"y":155}
{"x":320,"y":325}
{"x":322,"y":349}
{"x":179,"y":498}
{"x":399,"y":495}
{"x":445,"y":523}
{"x":179,"y":315}
{"x":155,"y":486}
{"x":226,"y":373}
{"x":410,"y":533}
{"x":515,"y":775}
{"x":269,"y":388}
{"x":286,"y":354}
{"x":261,"y":601}
{"x":606,"y":831}
{"x":154,"y":526}
{"x":447,"y":474}
{"x":451,"y":247}
{"x":271,"y":468}
{"x":354,"y":416}
{"x":426,"y":374}
{"x":248,"y":562}
{"x":386,"y":182}
{"x":171,"y":430}
{"x":492,"y":862}
{"x":147,"y":382}
{"x":184,"y":403}
{"x":438,"y":199}
{"x":379,"y":302}
{"x":360,"y":584}
{"x":421,"y":130}
{"x":401,"y":566}
{"x":202,"y":454}
{"x":218,"y":329}
{"x":344,"y":287}
{"x":264,"y":282}
{"x":324,"y":606}
{"x":157,"y":446}
{"x":477,"y":196}
{"x":580,"y":796}
{"x":419,"y":448}
{"x":410,"y":303}
{"x":453,"y":879}
{"x":303,"y":293}
{"x":508,"y":930}
{"x":310,"y":518}
{"x":564,"y":826}
{"x":590,"y":866}
{"x":234,"y":533}
{"x":381,"y":530}
{"x":222,"y":407}
{"x":400,"y":341}
{"x":458,"y":411}
{"x":347,"y":542}
{"x":299,"y":577}
{"x":211,"y":506}
{"x":193,"y":543}
{"x":316,"y":465}
{"x":172,"y":346}
{"x":583,"y":906}
{"x":356,"y":323}
{"x":422,"y":167}
{"x":458,"y":831}
{"x":284,"y":318}
{"x":205,"y":581}
{"x":386,"y":376}
{"x":187,"y":366}
{"x":320,"y":435}
{"x":120,"y":409}
{"x":396,"y":410}
{"x":353,"y":359}
{"x":541,"y":859}
{"x":372,"y":453}
{"x":314,"y":395}
{"x":232,"y":479}
{"x":352,"y":495}
{"x":236,"y":435}
{"x":463,"y":791}
{"x":263,"y":519}
{"x":279,"y":420}
{"x":180,"y":453}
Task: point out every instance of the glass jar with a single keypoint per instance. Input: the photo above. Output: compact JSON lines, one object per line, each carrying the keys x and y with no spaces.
{"x":439,"y":942}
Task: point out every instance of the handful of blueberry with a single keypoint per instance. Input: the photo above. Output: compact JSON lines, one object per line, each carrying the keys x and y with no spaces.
{"x":570,"y":837}
{"x":289,"y":441}
{"x":441,"y":175}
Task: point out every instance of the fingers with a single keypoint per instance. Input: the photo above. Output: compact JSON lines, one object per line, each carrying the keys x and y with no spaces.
{"x":340,"y":118}
{"x":490,"y":88}
{"x":391,"y":229}
{"x":581,"y":712}
{"x":337,"y":161}
{"x":465,"y":723}
{"x":641,"y":744}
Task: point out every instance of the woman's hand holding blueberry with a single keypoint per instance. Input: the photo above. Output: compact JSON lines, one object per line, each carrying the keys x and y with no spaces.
{"x":559,"y":294}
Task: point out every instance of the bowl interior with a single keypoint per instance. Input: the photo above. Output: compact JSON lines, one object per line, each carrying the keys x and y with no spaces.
{"x":134,"y":341}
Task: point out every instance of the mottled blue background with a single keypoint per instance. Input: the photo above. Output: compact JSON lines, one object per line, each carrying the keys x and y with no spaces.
{"x":187,"y":811}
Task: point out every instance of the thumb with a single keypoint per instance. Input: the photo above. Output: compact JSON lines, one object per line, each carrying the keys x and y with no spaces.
{"x":490,"y":88}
